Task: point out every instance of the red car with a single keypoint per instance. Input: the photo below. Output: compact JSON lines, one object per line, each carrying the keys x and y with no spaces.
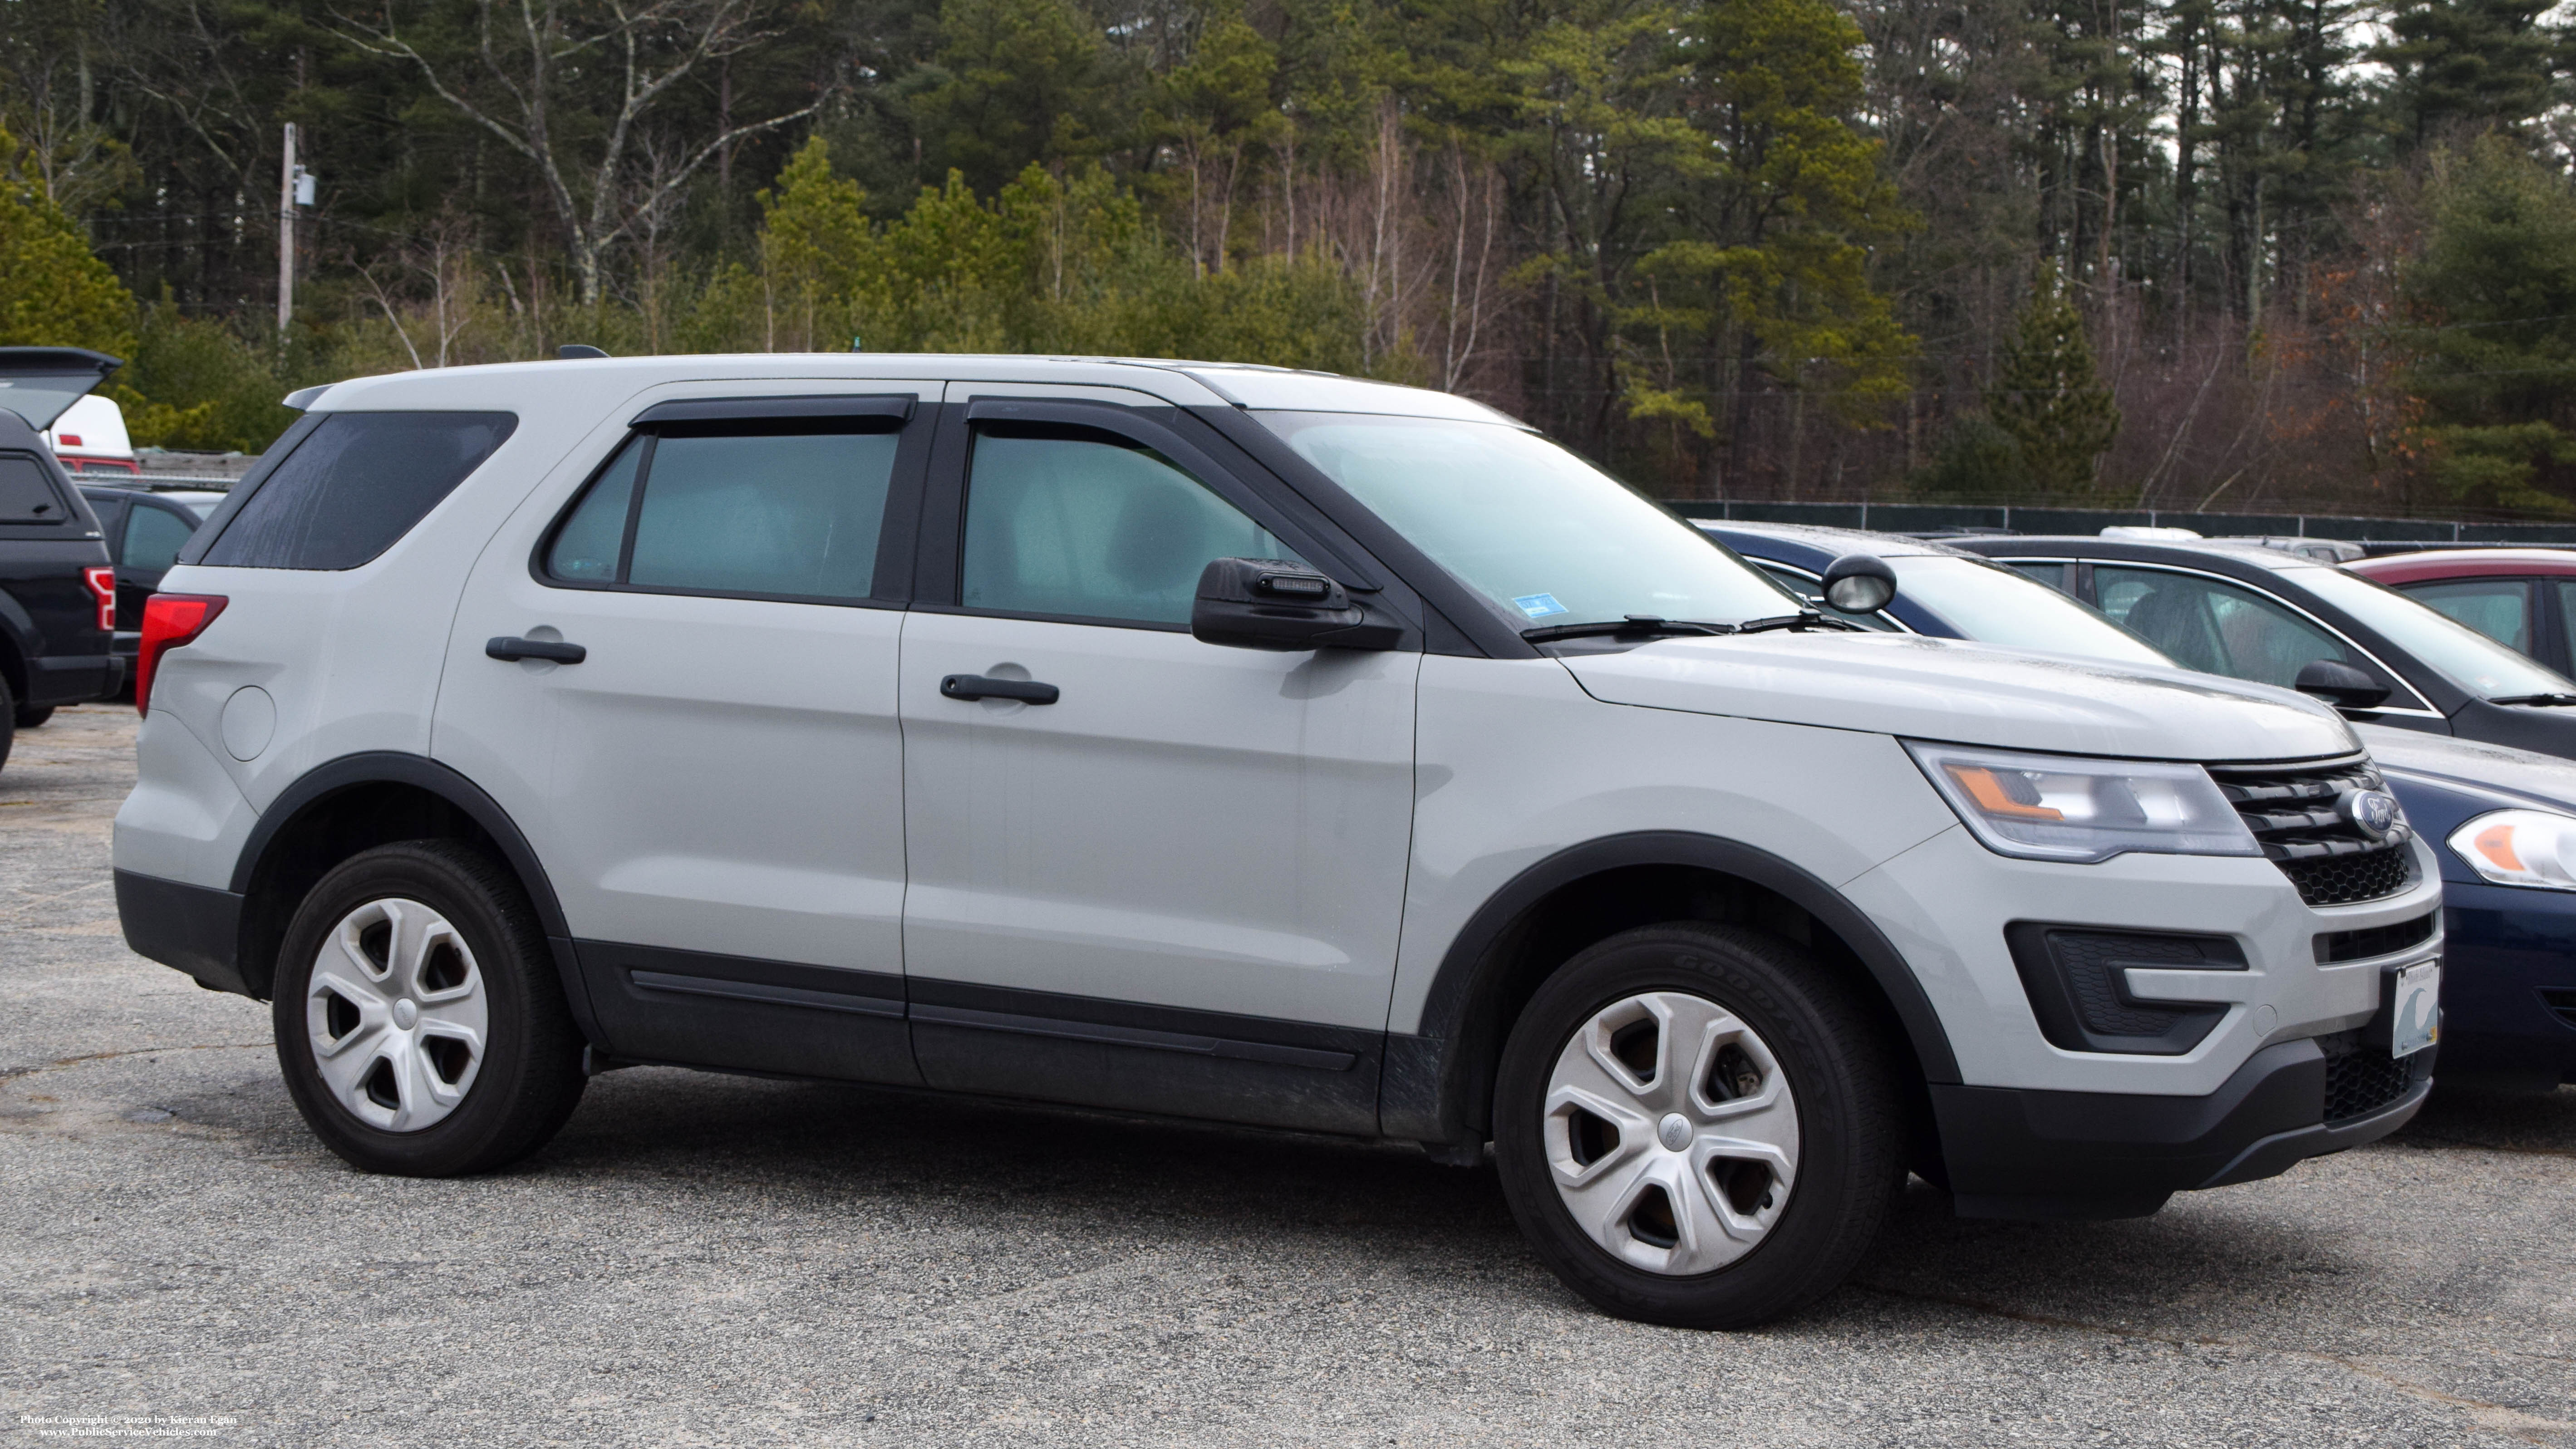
{"x":2524,"y":598}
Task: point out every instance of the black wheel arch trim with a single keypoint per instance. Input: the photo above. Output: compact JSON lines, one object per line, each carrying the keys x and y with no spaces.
{"x":1428,"y":1094}
{"x":395,"y":767}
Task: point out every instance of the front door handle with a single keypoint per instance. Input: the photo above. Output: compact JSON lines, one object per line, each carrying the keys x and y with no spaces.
{"x":513,"y":648}
{"x":977,"y":686}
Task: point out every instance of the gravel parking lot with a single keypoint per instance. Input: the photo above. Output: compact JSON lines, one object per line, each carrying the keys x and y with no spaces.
{"x":714,"y":1260}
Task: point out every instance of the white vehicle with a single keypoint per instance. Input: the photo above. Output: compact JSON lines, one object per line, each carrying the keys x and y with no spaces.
{"x":90,"y":437}
{"x":1235,"y":744}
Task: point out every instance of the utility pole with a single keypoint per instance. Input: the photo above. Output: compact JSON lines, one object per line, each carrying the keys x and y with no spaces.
{"x":286,"y":235}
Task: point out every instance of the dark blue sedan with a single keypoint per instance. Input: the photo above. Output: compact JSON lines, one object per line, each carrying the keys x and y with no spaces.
{"x":2502,"y":820}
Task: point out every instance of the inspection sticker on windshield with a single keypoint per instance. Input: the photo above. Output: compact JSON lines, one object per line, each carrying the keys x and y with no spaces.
{"x":2416,"y":995}
{"x":1538,"y":606}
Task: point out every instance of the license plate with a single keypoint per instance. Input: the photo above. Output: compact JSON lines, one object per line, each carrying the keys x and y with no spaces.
{"x":2415,"y":998}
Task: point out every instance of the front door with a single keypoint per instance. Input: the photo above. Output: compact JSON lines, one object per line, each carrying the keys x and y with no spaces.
{"x":715,"y":785}
{"x":1175,"y":885}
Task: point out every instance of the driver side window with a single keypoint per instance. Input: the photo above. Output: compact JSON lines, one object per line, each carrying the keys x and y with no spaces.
{"x":2218,"y":627}
{"x":1088,"y":528}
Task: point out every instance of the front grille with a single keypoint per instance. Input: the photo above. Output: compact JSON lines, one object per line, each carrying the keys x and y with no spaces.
{"x":2361,"y":1079}
{"x":2344,"y":879}
{"x":2293,"y":816}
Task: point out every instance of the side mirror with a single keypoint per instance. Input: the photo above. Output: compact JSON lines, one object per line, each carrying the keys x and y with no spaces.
{"x":1857,"y":583}
{"x":1275,"y":603}
{"x":2339,"y":684}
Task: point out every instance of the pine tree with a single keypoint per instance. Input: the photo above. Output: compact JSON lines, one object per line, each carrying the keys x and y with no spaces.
{"x":53,"y":291}
{"x":2047,"y":396}
{"x":2493,"y":291}
{"x":2468,"y":64}
{"x":815,"y":245}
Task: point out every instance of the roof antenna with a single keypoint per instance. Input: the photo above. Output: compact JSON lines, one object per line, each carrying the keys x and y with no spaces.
{"x":574,"y":350}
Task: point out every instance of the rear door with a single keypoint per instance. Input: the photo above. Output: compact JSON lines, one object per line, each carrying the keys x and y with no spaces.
{"x":715,"y":784}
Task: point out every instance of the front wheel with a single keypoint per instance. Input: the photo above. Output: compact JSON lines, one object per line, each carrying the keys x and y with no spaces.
{"x":1697,"y":1126}
{"x":420,"y":1023}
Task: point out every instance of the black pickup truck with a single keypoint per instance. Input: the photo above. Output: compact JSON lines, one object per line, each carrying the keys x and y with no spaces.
{"x":57,"y":588}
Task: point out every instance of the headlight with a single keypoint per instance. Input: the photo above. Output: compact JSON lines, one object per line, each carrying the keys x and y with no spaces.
{"x":2520,"y":848}
{"x":2053,"y":807}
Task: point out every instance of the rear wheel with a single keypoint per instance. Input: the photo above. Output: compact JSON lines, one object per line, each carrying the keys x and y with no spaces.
{"x":8,"y":721}
{"x":1696,"y":1126}
{"x":420,"y":1024}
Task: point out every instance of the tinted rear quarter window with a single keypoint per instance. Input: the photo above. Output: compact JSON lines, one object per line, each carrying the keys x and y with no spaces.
{"x":356,"y":483}
{"x":26,"y":494}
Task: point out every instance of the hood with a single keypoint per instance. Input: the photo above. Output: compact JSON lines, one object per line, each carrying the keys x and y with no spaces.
{"x":2507,"y":775}
{"x":1977,"y":694}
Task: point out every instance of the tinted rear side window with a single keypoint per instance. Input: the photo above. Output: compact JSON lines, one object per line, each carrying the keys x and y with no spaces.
{"x":751,"y":515}
{"x":356,"y":483}
{"x":795,"y":515}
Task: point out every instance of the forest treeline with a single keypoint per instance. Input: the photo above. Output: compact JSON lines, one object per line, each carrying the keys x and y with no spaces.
{"x":2250,"y":254}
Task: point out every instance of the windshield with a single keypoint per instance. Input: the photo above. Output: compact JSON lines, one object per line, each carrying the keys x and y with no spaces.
{"x":1998,"y":606}
{"x":1546,"y":536}
{"x":2459,"y":653}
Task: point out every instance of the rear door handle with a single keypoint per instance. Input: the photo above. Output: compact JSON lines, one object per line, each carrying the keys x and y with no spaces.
{"x":977,"y":686}
{"x":512,"y":647}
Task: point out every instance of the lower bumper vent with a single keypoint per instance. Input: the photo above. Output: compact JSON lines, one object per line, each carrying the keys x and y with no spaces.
{"x":2361,"y":1080}
{"x":2077,"y":981}
{"x":2337,"y":947}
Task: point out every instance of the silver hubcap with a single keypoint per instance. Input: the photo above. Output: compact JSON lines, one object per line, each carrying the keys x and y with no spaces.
{"x":1671,"y":1133}
{"x":396,"y":1015}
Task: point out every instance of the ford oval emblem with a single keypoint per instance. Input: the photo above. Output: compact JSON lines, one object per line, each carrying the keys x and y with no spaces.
{"x":2372,"y":812}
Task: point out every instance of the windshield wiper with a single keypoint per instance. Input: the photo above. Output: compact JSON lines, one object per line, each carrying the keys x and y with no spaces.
{"x":1644,"y":625}
{"x":2557,"y":698}
{"x":1804,"y":619}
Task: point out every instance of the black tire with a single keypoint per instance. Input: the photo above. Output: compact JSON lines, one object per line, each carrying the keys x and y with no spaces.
{"x":1846,"y":1105}
{"x":528,"y":1078}
{"x":8,"y":721}
{"x":28,"y":717}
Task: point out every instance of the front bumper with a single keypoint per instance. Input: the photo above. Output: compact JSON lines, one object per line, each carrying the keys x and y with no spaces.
{"x":1949,"y":906}
{"x":2018,"y":1153}
{"x":2507,"y":950}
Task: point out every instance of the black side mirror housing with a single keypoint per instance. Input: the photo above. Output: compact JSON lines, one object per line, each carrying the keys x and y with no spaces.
{"x":2339,"y":684}
{"x":1276,"y":603}
{"x":1859,"y":583}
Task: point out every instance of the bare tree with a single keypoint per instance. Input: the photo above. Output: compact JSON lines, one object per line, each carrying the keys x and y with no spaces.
{"x":532,"y":52}
{"x":444,"y":265}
